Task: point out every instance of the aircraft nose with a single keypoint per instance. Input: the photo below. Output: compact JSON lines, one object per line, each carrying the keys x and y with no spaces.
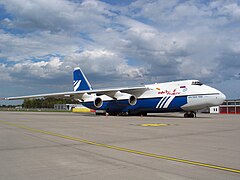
{"x":219,"y":98}
{"x":222,"y":97}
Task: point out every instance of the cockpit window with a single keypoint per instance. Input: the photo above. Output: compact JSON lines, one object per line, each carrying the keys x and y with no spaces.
{"x":197,"y":83}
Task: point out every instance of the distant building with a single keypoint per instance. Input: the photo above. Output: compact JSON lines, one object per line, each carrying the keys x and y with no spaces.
{"x":66,"y":106}
{"x":230,"y":107}
{"x":214,"y":110}
{"x":72,"y":107}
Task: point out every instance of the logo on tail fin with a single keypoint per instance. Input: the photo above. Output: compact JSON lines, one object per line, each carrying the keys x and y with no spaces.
{"x":76,"y":84}
{"x":80,"y":82}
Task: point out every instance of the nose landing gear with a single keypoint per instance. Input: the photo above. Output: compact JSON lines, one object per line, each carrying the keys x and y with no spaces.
{"x":191,"y":114}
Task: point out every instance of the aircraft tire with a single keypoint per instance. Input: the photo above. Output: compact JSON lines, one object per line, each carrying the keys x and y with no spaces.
{"x":190,"y":115}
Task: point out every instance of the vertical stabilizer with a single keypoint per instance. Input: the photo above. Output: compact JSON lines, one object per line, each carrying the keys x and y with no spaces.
{"x":80,"y":82}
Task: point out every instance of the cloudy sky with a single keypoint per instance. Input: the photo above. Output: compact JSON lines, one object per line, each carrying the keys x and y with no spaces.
{"x":118,"y":43}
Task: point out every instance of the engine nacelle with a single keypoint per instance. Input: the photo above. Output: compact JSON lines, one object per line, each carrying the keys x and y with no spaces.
{"x":98,"y":102}
{"x":132,"y":100}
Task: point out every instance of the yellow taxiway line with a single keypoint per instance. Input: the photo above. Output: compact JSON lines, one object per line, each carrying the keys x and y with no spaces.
{"x":154,"y":125}
{"x":125,"y":149}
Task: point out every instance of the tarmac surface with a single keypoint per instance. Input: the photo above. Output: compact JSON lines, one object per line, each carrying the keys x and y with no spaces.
{"x":39,"y":145}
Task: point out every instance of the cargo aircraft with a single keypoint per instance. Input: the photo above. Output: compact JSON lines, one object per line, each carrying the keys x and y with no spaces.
{"x":188,"y":96}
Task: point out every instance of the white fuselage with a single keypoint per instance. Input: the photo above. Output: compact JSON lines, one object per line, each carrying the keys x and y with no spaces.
{"x":188,"y":95}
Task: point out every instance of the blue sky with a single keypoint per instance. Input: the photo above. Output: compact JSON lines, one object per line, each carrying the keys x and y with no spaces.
{"x":118,"y":43}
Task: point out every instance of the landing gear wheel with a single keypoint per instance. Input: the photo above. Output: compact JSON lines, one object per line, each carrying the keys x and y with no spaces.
{"x":100,"y":114}
{"x":143,"y":114}
{"x":190,"y":114}
{"x":113,"y":114}
{"x":131,"y":113}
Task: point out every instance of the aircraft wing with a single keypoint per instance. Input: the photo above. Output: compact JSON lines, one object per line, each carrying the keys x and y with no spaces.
{"x":61,"y":94}
{"x":137,"y":91}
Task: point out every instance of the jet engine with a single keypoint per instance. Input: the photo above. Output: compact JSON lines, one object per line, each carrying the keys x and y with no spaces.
{"x":98,"y":102}
{"x":132,"y":100}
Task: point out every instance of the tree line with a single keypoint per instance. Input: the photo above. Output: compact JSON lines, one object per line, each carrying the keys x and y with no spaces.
{"x":46,"y":102}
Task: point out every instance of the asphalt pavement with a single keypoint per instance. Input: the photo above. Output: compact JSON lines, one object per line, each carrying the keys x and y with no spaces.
{"x":40,"y":145}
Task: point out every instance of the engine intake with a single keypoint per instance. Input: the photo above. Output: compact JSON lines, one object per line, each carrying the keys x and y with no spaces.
{"x":98,"y":102}
{"x":132,"y":100}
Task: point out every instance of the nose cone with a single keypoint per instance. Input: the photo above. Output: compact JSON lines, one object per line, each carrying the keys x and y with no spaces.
{"x":219,"y":99}
{"x":222,"y":97}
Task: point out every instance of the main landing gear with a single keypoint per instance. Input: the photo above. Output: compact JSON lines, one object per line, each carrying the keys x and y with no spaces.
{"x":191,"y":114}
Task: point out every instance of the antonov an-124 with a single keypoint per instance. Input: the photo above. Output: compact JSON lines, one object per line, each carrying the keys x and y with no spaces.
{"x":187,"y":96}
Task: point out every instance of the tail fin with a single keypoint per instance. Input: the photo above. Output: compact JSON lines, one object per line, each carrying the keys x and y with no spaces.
{"x":80,"y":82}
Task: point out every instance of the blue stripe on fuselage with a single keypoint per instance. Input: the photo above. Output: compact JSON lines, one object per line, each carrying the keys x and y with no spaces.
{"x":146,"y":105}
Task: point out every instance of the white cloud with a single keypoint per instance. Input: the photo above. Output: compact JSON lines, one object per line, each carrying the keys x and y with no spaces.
{"x":4,"y":74}
{"x":57,"y":15}
{"x":147,"y":40}
{"x":230,"y":9}
{"x":37,"y":70}
{"x":22,"y":47}
{"x":104,"y":63}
